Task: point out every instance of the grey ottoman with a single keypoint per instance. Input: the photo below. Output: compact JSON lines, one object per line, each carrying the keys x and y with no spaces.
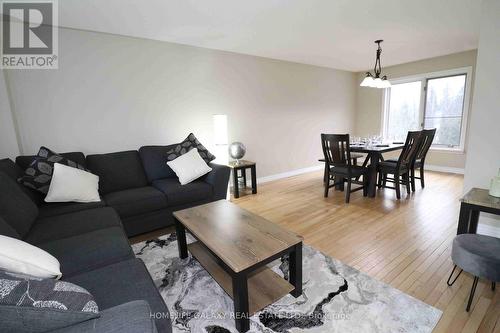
{"x":478,"y":255}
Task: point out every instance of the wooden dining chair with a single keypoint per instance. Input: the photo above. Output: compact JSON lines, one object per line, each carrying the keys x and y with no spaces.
{"x":401,"y":168}
{"x":419,"y":161}
{"x":339,"y":168}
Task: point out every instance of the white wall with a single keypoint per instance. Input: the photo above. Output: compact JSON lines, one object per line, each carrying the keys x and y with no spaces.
{"x":8,"y":140}
{"x":370,"y":101}
{"x":483,"y":155}
{"x":112,"y":93}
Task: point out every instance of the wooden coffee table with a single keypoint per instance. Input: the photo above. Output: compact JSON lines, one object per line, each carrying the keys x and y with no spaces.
{"x":234,"y":246}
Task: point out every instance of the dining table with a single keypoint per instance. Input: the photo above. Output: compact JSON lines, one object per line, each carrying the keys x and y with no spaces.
{"x":374,"y":155}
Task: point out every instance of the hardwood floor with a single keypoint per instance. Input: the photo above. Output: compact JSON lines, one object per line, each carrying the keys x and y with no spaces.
{"x":404,"y":243}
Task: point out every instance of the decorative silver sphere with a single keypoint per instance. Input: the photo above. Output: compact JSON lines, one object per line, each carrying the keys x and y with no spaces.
{"x":237,"y":150}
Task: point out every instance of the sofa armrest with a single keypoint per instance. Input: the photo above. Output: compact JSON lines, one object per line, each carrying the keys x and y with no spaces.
{"x":219,"y":179}
{"x":129,"y":317}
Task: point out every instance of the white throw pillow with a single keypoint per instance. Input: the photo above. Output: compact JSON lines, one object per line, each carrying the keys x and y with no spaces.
{"x":72,"y":184}
{"x":189,"y":166}
{"x":20,"y":257}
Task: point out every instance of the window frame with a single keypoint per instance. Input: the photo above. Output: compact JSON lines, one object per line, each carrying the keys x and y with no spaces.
{"x":423,"y":78}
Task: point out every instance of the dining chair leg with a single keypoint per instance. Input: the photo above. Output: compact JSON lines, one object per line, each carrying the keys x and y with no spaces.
{"x":406,"y":177}
{"x":493,"y":285}
{"x":413,"y":179}
{"x":396,"y":185}
{"x":379,"y":181}
{"x":365,"y":185}
{"x":422,"y":183}
{"x":348,"y":191}
{"x":325,"y":174}
{"x":472,"y":291}
{"x":327,"y":182}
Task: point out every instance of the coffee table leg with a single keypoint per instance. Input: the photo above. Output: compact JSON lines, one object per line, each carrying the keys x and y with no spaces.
{"x":295,"y":270}
{"x":240,"y":298}
{"x":181,"y":239}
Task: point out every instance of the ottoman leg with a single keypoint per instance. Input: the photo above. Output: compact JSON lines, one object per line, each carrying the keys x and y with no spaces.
{"x":455,"y":279}
{"x":472,"y":291}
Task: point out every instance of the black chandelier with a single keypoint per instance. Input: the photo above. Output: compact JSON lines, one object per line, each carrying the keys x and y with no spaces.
{"x":375,"y":80}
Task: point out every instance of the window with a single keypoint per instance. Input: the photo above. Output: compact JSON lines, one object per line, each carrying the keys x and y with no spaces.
{"x":438,"y":100}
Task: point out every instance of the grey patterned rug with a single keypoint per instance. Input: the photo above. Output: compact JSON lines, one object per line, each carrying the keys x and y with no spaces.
{"x":336,"y":297}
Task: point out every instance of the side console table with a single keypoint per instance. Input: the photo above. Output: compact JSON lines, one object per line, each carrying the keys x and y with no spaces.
{"x":475,"y":201}
{"x":242,"y":166}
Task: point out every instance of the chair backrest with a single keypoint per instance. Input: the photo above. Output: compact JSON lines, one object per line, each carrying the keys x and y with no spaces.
{"x":410,"y":149}
{"x":425,"y":143}
{"x":336,"y":149}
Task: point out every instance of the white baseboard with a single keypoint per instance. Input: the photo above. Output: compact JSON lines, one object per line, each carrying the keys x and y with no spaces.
{"x":440,"y":168}
{"x":320,"y":167}
{"x":288,"y":174}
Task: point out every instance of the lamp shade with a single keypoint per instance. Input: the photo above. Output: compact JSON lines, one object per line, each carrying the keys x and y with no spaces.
{"x":367,"y":82}
{"x":385,"y":84}
{"x":377,"y":83}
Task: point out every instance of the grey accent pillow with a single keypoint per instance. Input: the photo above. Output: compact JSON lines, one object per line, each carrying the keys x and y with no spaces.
{"x":39,"y":173}
{"x":189,"y":143}
{"x":29,"y":304}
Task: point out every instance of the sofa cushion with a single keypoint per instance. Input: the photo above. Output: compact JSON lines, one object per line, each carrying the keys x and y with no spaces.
{"x":59,"y":208}
{"x":136,"y":201}
{"x":131,"y":317}
{"x":10,"y":168}
{"x":7,"y":230}
{"x":139,"y":224}
{"x":18,"y":256}
{"x":16,"y":208}
{"x":25,"y":160}
{"x":38,"y":175}
{"x":37,"y":305}
{"x":90,"y":250}
{"x":72,"y":224}
{"x":124,"y":282}
{"x":154,"y":159}
{"x":14,"y":171}
{"x":178,"y":194}
{"x":189,"y":143}
{"x":117,"y":171}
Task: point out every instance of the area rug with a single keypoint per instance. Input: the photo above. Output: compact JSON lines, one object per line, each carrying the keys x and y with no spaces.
{"x":336,"y":297}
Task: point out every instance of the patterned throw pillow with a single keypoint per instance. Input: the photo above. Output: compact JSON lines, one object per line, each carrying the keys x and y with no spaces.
{"x":39,"y":173}
{"x":189,"y":143}
{"x":25,"y":300}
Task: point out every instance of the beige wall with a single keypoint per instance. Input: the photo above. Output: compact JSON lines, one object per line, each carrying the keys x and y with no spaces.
{"x":113,"y":93}
{"x":483,"y":153}
{"x":369,"y":101}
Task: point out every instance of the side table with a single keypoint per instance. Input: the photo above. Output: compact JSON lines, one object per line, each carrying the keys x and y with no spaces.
{"x":475,"y":201}
{"x":242,"y":166}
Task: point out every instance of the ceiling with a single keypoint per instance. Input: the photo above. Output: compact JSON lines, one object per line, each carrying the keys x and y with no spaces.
{"x":331,"y":33}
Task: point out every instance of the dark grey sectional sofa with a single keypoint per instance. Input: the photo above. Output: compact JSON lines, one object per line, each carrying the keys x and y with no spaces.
{"x":90,"y":241}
